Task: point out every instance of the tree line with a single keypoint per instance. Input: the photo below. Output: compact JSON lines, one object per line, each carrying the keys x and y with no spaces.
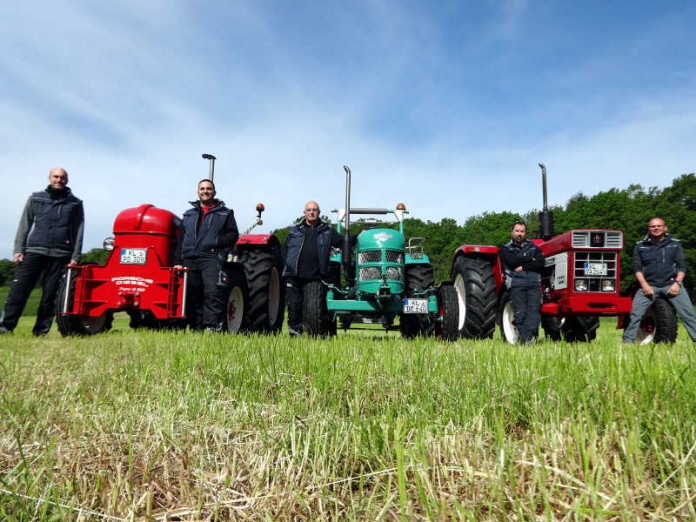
{"x":626,"y":209}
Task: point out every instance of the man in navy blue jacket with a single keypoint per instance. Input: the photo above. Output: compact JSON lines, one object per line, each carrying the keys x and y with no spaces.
{"x":658,"y":262}
{"x":49,"y":237}
{"x":522,"y":262}
{"x":207,"y":235}
{"x":307,"y":251}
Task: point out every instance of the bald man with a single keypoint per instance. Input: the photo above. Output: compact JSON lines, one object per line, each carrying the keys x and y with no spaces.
{"x":49,"y":237}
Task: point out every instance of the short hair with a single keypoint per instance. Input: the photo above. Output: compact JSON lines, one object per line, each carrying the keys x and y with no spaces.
{"x":209,"y":181}
{"x":518,"y":222}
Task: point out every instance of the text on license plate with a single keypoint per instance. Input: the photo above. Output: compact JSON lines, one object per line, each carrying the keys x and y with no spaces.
{"x":415,"y":306}
{"x":595,"y":269}
{"x":133,"y":256}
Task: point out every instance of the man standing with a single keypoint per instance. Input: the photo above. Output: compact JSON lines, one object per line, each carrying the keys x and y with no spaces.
{"x":307,"y":252}
{"x":49,"y":237}
{"x":207,"y":235}
{"x":658,"y":262}
{"x":522,"y":262}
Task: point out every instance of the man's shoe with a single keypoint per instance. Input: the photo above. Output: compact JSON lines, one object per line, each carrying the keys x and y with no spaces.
{"x":4,"y":330}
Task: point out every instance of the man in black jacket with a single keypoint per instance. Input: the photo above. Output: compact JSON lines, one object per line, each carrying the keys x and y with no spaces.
{"x":522,"y":262}
{"x":658,"y":262}
{"x":307,"y":250}
{"x":207,"y":235}
{"x":49,"y":237}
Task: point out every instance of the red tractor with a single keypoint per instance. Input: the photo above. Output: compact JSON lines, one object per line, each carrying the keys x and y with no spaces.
{"x":580,"y":284}
{"x":138,"y":278}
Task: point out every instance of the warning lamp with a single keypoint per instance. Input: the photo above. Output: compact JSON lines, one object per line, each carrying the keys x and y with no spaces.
{"x":400,"y":206}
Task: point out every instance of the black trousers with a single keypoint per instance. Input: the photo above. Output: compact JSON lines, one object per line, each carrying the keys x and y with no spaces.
{"x":526,"y":304}
{"x":26,"y":276}
{"x":294,"y":296}
{"x":208,"y":288}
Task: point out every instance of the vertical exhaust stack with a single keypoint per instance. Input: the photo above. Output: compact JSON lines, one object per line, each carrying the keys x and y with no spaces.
{"x":211,"y":172}
{"x":545,"y":216}
{"x":346,"y":257}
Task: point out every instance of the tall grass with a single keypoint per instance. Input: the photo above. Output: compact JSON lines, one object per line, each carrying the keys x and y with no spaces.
{"x":180,"y":426}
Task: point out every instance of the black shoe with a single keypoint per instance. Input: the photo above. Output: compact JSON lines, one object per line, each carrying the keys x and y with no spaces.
{"x":4,"y":330}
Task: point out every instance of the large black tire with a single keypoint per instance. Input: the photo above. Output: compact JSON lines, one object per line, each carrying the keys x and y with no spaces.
{"x":236,"y":301}
{"x":576,"y":329}
{"x":506,"y":320}
{"x":447,"y":326}
{"x":659,"y":324}
{"x":266,"y":293}
{"x":552,"y":326}
{"x":78,"y":324}
{"x":314,"y":311}
{"x":475,"y":284}
{"x":419,"y":277}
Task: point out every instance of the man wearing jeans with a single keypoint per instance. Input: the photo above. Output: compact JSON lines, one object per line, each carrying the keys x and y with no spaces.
{"x":658,"y":262}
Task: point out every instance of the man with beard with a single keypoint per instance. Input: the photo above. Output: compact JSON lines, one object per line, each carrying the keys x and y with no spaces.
{"x":207,"y":235}
{"x":49,"y":237}
{"x":522,"y":262}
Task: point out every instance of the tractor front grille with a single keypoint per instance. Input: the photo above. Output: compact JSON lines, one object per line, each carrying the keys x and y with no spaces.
{"x":597,"y":239}
{"x":375,"y":256}
{"x":391,"y":261}
{"x":595,"y":269}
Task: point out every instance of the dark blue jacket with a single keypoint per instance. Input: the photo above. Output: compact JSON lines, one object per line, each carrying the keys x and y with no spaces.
{"x":52,"y":224}
{"x":213,"y":235}
{"x":659,"y":262}
{"x":529,"y":257}
{"x":294,"y":243}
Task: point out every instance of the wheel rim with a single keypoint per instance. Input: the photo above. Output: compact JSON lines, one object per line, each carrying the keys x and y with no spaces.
{"x":508,"y":323}
{"x":460,"y":286}
{"x":273,"y":297}
{"x":646,"y":332}
{"x":235,"y":309}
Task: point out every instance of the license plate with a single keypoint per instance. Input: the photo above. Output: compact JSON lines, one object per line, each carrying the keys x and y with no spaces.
{"x":133,"y":256}
{"x":595,"y":269}
{"x":415,"y":306}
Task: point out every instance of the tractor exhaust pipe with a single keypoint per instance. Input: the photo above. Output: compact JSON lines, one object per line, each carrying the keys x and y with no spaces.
{"x":346,"y":257}
{"x":545,"y":216}
{"x":211,"y":172}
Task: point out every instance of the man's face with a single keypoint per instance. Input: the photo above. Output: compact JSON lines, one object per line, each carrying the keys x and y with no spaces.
{"x":519,"y":233}
{"x":206,"y":193}
{"x":58,"y":179}
{"x":311,"y":213}
{"x":656,"y":229}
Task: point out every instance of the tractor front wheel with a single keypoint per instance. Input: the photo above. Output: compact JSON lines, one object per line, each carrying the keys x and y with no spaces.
{"x":577,"y":329}
{"x":447,"y":325}
{"x":236,"y":302}
{"x":314,"y":310}
{"x":506,"y":320}
{"x":419,"y":277}
{"x":659,"y":324}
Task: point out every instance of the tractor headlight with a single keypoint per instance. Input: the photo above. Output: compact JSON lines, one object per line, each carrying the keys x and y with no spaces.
{"x":608,"y":285}
{"x":393,"y":272}
{"x":581,"y":285}
{"x":108,"y":244}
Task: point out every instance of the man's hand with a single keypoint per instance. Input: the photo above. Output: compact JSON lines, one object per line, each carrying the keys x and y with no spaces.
{"x":648,"y":291}
{"x":18,"y":258}
{"x":73,"y":262}
{"x":674,"y":289}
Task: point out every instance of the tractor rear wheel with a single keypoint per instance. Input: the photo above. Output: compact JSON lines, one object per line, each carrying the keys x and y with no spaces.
{"x":659,"y":324}
{"x":475,"y":284}
{"x":577,"y":329}
{"x":314,"y":310}
{"x":419,"y":277}
{"x":236,"y":302}
{"x":78,"y":324}
{"x":266,"y":304}
{"x":447,"y":326}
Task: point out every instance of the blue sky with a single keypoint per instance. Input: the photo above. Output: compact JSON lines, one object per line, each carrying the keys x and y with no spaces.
{"x":447,"y":106}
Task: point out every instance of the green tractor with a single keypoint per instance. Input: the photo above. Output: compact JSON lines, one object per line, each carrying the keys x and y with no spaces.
{"x":385,"y":278}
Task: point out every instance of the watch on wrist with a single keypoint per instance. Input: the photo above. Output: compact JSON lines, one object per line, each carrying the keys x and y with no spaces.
{"x":679,"y":282}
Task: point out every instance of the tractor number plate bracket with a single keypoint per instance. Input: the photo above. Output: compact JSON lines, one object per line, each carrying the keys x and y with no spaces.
{"x":134,"y":256}
{"x":415,"y":306}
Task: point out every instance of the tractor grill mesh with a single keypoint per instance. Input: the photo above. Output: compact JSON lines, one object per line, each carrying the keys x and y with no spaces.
{"x":589,"y":266}
{"x":394,"y":256}
{"x":371,"y":256}
{"x":597,"y":239}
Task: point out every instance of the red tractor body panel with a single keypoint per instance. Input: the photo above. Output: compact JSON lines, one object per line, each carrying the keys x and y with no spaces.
{"x":257,"y":239}
{"x":137,"y":274}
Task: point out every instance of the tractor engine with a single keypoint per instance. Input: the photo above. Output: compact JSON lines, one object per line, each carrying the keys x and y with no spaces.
{"x":380,"y":263}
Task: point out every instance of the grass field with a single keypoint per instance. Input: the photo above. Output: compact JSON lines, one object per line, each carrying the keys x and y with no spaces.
{"x":179,"y":426}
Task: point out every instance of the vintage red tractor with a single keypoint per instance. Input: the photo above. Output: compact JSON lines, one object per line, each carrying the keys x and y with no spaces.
{"x":580,"y":284}
{"x":139,"y":278}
